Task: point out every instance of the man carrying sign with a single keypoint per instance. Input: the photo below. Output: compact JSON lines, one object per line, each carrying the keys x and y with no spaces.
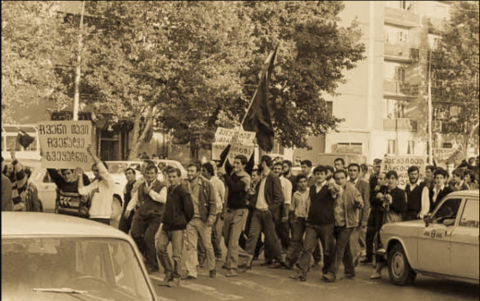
{"x":102,"y":189}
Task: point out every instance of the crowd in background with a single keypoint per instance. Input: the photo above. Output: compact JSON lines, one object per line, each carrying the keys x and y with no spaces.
{"x":325,"y":216}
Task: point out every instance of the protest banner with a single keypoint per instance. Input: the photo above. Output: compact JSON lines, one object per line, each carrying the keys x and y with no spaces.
{"x":241,"y":141}
{"x":64,"y":144}
{"x":400,"y":164}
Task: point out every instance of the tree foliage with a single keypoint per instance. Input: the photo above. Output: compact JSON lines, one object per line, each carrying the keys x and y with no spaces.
{"x":30,"y":39}
{"x":459,"y":68}
{"x":313,"y":54}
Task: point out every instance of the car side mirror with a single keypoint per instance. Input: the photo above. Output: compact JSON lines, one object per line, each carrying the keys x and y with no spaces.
{"x":427,"y":219}
{"x":449,"y":222}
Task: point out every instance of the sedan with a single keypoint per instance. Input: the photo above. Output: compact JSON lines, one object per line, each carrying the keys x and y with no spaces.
{"x":445,"y":244}
{"x":59,"y":257}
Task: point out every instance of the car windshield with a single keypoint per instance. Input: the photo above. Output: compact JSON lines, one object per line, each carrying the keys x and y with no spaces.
{"x":104,"y":268}
{"x":117,"y":167}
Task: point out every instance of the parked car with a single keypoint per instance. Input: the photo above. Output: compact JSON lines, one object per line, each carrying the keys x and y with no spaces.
{"x":445,"y":244}
{"x":59,"y":257}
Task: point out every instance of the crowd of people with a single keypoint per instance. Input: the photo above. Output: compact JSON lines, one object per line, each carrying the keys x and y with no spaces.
{"x":325,"y":216}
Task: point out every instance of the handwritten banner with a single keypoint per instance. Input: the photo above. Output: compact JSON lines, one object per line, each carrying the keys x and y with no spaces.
{"x":227,"y":136}
{"x":400,"y":164}
{"x":64,"y":144}
{"x":242,"y":143}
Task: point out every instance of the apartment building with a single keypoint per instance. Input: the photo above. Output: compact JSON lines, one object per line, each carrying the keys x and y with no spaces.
{"x":385,"y":99}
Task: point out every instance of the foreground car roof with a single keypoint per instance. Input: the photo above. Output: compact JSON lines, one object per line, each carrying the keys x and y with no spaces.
{"x":465,"y":193}
{"x":37,"y":223}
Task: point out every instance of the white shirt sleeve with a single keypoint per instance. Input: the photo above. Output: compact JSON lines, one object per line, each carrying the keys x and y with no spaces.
{"x":86,"y":190}
{"x":160,"y":197}
{"x":425,"y":203}
{"x":287,"y":192}
{"x":133,"y":202}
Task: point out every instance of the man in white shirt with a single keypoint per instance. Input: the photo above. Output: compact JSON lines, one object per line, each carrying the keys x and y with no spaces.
{"x":281,"y":225}
{"x":418,"y":201}
{"x":102,"y":189}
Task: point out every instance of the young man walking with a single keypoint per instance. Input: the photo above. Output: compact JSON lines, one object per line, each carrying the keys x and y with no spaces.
{"x":219,"y":187}
{"x":125,"y":223}
{"x":319,"y":223}
{"x":266,"y":199}
{"x":236,"y":212}
{"x":150,"y":198}
{"x":345,"y":216}
{"x":205,"y":209}
{"x":300,"y":206}
{"x":178,"y":213}
{"x":357,"y":238}
{"x":281,"y":224}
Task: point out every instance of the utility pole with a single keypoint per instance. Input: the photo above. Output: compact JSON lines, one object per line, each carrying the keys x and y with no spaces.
{"x":429,"y":87}
{"x":76,"y":96}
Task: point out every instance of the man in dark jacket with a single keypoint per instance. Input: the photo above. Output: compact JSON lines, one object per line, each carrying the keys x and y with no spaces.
{"x":266,"y":199}
{"x":177,"y":214}
{"x":205,"y":213}
{"x":126,"y":221}
{"x":440,"y":189}
{"x":236,"y":212}
{"x":7,"y":204}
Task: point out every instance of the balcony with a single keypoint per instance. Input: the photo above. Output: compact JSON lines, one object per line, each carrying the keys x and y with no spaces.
{"x":401,"y":17}
{"x":400,"y":90}
{"x":401,"y":52}
{"x":400,"y":124}
{"x":447,"y":127}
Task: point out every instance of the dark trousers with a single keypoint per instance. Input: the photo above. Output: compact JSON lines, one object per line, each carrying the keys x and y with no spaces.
{"x":244,"y":236}
{"x":263,"y":221}
{"x":282,"y":230}
{"x":312,"y":233}
{"x":342,"y":252}
{"x":125,"y":224}
{"x":371,"y":231}
{"x":296,"y":243}
{"x":144,"y":227}
{"x":105,"y":221}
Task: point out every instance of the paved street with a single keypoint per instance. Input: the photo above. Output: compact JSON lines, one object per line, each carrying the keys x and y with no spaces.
{"x":262,"y":283}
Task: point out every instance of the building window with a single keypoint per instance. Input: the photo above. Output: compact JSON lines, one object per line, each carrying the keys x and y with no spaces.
{"x":405,"y":5}
{"x":395,"y":108}
{"x":400,"y":74}
{"x":329,"y":107}
{"x":349,"y":147}
{"x":277,"y":148}
{"x":391,"y":147}
{"x":434,"y":41}
{"x":411,"y":147}
{"x":395,"y":35}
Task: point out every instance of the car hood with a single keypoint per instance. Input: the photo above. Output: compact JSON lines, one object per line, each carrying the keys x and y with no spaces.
{"x":386,"y":228}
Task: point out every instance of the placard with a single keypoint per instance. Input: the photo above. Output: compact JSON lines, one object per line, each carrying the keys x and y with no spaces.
{"x":242,"y":142}
{"x":229,"y":136}
{"x":64,"y":144}
{"x":400,"y":164}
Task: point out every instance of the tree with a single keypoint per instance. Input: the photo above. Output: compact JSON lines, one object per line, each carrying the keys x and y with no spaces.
{"x":313,"y":54}
{"x":30,"y":40}
{"x":459,"y":68}
{"x":174,"y":61}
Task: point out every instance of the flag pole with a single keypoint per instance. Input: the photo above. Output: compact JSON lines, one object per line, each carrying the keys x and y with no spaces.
{"x":234,"y":140}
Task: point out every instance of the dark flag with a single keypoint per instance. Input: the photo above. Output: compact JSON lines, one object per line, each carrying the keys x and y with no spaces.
{"x":258,"y":118}
{"x":24,"y":139}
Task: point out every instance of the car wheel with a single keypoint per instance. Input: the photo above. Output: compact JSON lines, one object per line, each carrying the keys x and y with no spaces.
{"x":399,"y":270}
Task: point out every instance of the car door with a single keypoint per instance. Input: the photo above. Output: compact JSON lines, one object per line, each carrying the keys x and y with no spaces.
{"x":434,"y":243}
{"x":464,"y":242}
{"x":46,"y":189}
